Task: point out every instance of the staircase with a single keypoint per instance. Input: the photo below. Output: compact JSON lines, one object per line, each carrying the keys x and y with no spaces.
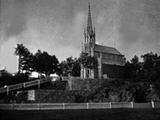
{"x":23,"y":85}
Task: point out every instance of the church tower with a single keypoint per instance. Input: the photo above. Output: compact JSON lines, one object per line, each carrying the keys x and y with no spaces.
{"x":89,"y":35}
{"x":88,"y":45}
{"x":110,"y":61}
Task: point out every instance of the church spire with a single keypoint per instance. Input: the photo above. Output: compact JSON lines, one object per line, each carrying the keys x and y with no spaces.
{"x":89,"y":24}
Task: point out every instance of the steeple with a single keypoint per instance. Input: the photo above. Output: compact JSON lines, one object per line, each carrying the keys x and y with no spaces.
{"x":88,"y":46}
{"x":89,"y":24}
{"x":89,"y":35}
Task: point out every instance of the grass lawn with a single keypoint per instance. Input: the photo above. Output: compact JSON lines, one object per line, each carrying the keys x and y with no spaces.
{"x":95,"y":114}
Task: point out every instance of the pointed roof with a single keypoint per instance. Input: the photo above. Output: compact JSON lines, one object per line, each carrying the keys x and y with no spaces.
{"x":106,"y":49}
{"x":89,"y":24}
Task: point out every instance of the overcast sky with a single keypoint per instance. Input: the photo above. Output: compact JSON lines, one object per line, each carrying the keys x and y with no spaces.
{"x":56,"y":26}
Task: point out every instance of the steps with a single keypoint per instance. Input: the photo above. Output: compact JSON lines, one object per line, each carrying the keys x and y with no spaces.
{"x":25,"y":85}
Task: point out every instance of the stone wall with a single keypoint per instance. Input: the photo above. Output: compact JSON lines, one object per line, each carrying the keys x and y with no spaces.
{"x":53,"y":96}
{"x":83,"y":84}
{"x":113,"y":71}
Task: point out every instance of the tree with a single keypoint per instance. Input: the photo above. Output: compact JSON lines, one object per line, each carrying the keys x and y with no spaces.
{"x":151,"y":68}
{"x":40,"y":62}
{"x":76,"y":68}
{"x":133,"y":68}
{"x":70,"y":66}
{"x":145,"y":74}
{"x":5,"y":78}
{"x":45,"y":63}
{"x":88,"y":61}
{"x":25,"y":58}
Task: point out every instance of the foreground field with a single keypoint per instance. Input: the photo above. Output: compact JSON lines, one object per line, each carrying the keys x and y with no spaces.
{"x":92,"y":114}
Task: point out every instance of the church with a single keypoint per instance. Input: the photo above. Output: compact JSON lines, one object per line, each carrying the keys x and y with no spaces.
{"x":110,"y":60}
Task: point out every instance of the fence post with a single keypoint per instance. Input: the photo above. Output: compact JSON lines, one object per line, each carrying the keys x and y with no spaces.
{"x":12,"y":106}
{"x":24,"y":85}
{"x":38,"y":83}
{"x":7,"y":90}
{"x":87,"y":105}
{"x":39,"y":106}
{"x":152,"y":102}
{"x":63,"y":106}
{"x":132,"y":104}
{"x":110,"y":105}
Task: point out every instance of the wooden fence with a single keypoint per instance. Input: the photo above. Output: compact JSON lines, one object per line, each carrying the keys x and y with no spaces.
{"x":55,"y":106}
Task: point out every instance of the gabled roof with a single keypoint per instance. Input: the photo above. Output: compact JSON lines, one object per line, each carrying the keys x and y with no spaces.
{"x":106,"y":49}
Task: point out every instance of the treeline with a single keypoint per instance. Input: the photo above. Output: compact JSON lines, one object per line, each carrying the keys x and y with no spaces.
{"x":40,"y":62}
{"x":145,"y":71}
{"x":142,"y":78}
{"x":44,"y":63}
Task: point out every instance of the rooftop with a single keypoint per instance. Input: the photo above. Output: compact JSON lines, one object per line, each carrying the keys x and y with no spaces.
{"x":106,"y":49}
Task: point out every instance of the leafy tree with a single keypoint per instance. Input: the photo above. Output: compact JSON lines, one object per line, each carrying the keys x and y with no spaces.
{"x":133,"y":68}
{"x":67,"y":66}
{"x":145,"y":74}
{"x":45,"y":63}
{"x":88,"y":61}
{"x":20,"y":77}
{"x":5,"y":78}
{"x":70,"y":66}
{"x":21,"y":50}
{"x":76,"y":68}
{"x":151,"y":68}
{"x":40,"y":62}
{"x":25,"y":58}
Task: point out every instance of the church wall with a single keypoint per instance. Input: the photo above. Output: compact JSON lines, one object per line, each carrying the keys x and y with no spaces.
{"x":112,"y":59}
{"x":113,"y":71}
{"x":112,"y":65}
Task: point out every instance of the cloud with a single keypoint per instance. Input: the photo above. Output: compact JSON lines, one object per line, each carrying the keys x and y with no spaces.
{"x":7,"y":57}
{"x":13,"y":17}
{"x":139,"y":26}
{"x":56,"y":26}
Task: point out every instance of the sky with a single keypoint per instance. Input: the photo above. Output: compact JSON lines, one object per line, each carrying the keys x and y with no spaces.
{"x":57,"y":26}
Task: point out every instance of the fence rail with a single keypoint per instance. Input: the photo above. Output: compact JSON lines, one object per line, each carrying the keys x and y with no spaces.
{"x":25,"y":84}
{"x":55,"y":106}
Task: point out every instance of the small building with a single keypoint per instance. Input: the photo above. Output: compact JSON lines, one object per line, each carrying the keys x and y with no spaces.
{"x":110,"y":60}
